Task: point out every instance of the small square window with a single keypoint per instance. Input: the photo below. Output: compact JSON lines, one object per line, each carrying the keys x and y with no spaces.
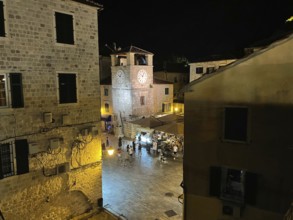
{"x":210,"y":70}
{"x":67,"y":88}
{"x":199,"y":70}
{"x":166,"y":91}
{"x":64,"y":28}
{"x":236,"y":124}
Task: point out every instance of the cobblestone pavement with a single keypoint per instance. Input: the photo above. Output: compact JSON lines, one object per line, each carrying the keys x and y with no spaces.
{"x":143,"y":187}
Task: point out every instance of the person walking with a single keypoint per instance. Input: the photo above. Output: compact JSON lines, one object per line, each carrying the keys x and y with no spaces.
{"x":175,"y":149}
{"x":107,"y":142}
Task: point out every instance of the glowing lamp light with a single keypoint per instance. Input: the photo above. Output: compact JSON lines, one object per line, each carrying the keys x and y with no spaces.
{"x":176,"y":109}
{"x":110,"y":150}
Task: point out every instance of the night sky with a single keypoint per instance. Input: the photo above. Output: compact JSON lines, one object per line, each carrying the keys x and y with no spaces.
{"x":192,"y":29}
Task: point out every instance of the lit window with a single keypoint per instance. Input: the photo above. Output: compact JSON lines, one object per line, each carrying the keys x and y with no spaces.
{"x":142,"y":100}
{"x":199,"y":70}
{"x":2,"y":20}
{"x":67,"y":88}
{"x":166,"y":91}
{"x":15,"y":95}
{"x":9,"y":151}
{"x":236,"y":124}
{"x":64,"y":28}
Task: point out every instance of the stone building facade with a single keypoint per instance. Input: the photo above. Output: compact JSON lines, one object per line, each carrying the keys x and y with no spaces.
{"x":238,"y":138}
{"x":50,"y":155}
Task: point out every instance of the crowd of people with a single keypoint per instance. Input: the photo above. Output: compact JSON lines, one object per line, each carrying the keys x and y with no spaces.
{"x":158,"y":143}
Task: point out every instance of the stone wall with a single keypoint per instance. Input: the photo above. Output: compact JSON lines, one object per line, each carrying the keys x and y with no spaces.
{"x":64,"y":180}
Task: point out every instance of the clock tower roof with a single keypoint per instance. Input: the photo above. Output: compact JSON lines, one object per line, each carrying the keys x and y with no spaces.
{"x":132,"y":49}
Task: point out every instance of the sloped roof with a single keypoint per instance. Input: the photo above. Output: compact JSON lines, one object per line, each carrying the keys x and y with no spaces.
{"x":237,"y":62}
{"x":153,"y":122}
{"x":132,"y":49}
{"x":90,"y":3}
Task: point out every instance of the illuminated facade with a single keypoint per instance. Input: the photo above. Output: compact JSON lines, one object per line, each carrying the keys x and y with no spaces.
{"x":238,"y":141}
{"x":50,"y":155}
{"x":133,"y":92}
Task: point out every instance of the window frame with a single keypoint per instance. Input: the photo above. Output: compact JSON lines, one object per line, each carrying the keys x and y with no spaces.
{"x":6,"y":87}
{"x":55,"y":28}
{"x":58,"y":88}
{"x":4,"y":20}
{"x":167,"y":91}
{"x":248,"y":125}
{"x":199,"y":68}
{"x":107,"y":109}
{"x":18,"y":164}
{"x":13,"y":90}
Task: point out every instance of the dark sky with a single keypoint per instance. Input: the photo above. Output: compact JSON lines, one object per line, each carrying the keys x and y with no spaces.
{"x":193,"y":29}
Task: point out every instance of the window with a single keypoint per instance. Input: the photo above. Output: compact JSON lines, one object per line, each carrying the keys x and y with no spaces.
{"x":199,"y":70}
{"x":106,"y":107}
{"x":142,"y":100}
{"x":236,"y":124}
{"x":2,"y":20}
{"x":16,"y":93}
{"x":166,"y":91}
{"x":9,"y":165}
{"x":67,"y":88}
{"x":166,"y":107}
{"x":64,"y":28}
{"x":140,"y":59}
{"x":3,"y":91}
{"x":233,"y":185}
{"x":106,"y":92}
{"x":210,"y":70}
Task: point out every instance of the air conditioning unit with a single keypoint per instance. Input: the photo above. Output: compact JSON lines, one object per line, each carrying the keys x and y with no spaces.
{"x":54,"y":143}
{"x":34,"y":148}
{"x":48,"y":118}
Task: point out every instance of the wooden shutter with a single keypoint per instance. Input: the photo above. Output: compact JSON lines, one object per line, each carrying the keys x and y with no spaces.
{"x":67,"y":88}
{"x":64,"y":28}
{"x":215,"y":181}
{"x":251,"y":182}
{"x":2,"y":26}
{"x":16,"y":90}
{"x":21,"y":153}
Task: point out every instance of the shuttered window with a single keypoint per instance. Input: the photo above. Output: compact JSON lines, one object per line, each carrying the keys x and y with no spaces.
{"x":64,"y":28}
{"x":16,"y":90}
{"x":67,"y":88}
{"x":21,"y":154}
{"x":9,"y":166}
{"x":2,"y":20}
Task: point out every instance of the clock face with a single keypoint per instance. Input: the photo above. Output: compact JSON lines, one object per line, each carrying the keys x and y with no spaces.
{"x":142,"y":76}
{"x":120,"y":75}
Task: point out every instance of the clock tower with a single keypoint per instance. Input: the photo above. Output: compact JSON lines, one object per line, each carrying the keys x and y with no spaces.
{"x":132,"y":83}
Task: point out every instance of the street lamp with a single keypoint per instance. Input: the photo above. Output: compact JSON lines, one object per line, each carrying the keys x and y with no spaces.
{"x":110,"y":150}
